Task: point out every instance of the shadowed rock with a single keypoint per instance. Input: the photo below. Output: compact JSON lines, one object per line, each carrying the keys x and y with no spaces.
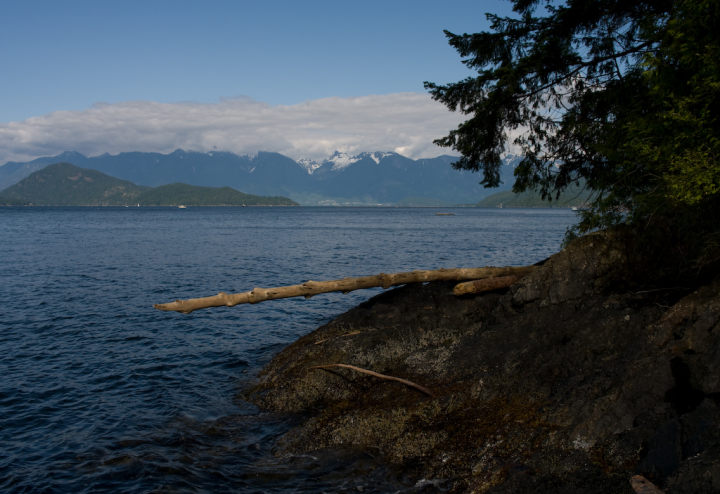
{"x":575,"y":379}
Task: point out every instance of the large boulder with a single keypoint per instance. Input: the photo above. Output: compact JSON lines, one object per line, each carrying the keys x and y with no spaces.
{"x":575,"y":379}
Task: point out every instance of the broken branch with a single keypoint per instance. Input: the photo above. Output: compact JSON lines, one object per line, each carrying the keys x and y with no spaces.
{"x":345,"y":285}
{"x":381,"y":376}
{"x":486,"y":285}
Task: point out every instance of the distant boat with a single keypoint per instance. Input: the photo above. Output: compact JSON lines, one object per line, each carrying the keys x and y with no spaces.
{"x":138,"y":204}
{"x":182,"y":207}
{"x":574,"y":208}
{"x":244,"y":205}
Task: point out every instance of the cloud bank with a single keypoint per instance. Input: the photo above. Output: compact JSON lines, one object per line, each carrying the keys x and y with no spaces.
{"x":405,"y":123}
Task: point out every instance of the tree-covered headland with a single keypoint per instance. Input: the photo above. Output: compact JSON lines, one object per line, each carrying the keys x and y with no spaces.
{"x":621,"y":96}
{"x":64,"y":184}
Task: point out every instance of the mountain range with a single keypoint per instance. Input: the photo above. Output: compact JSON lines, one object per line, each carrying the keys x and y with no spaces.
{"x":342,"y":179}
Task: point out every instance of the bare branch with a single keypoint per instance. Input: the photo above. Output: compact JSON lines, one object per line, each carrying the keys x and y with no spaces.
{"x":381,"y":376}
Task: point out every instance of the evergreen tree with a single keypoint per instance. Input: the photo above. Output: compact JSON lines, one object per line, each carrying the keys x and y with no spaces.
{"x":620,"y":96}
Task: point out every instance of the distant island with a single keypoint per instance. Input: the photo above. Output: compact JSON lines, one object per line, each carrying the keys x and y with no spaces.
{"x":195,"y":195}
{"x":64,"y":184}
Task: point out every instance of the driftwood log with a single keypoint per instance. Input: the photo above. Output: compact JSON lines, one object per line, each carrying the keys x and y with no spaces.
{"x":486,"y":285}
{"x":345,"y":285}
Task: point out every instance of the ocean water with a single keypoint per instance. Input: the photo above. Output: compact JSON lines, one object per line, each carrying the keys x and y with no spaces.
{"x":100,"y":392}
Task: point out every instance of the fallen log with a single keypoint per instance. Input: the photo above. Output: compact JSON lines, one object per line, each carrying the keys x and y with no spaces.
{"x":346,"y":285}
{"x":486,"y":285}
{"x":381,"y":376}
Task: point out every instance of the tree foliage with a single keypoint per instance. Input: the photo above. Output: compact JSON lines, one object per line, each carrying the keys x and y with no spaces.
{"x":679,"y":140}
{"x":618,"y":95}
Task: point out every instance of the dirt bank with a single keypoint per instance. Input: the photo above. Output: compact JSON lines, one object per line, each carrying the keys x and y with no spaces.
{"x":573,"y":380}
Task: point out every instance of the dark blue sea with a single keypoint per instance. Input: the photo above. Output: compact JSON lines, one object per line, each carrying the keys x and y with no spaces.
{"x":100,"y":392}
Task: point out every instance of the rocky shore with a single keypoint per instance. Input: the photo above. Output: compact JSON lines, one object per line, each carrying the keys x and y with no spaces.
{"x":588,"y":371}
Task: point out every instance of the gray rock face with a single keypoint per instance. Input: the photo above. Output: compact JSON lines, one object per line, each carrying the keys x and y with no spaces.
{"x":573,"y":380}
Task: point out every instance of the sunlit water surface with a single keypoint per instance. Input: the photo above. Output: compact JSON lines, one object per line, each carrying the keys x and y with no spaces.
{"x":101,"y":392}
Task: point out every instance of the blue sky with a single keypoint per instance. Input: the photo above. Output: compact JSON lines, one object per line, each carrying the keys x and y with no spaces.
{"x":70,"y":55}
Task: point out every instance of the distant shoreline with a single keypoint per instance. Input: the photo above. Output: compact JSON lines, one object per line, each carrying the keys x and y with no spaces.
{"x":284,"y":206}
{"x":153,"y":206}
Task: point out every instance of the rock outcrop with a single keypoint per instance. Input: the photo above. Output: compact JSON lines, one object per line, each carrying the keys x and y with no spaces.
{"x":575,"y":379}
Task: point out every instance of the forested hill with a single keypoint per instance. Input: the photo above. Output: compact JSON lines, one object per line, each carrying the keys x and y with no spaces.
{"x":4,"y":201}
{"x":63,"y":184}
{"x":194,"y":195}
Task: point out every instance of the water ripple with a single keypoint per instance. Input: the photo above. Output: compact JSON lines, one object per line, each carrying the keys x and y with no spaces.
{"x":100,"y":392}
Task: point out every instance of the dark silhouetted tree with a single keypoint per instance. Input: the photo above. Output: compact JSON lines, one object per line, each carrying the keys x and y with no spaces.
{"x":619,"y":96}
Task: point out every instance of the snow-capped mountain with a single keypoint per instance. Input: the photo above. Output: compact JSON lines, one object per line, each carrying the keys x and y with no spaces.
{"x":341,"y":161}
{"x":377,"y":155}
{"x":309,"y":165}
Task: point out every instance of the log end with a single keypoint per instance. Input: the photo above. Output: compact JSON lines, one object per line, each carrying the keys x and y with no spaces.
{"x":176,"y":306}
{"x":170,"y":306}
{"x":485,"y":285}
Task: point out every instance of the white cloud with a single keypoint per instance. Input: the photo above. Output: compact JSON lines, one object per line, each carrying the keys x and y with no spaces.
{"x":404,"y":122}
